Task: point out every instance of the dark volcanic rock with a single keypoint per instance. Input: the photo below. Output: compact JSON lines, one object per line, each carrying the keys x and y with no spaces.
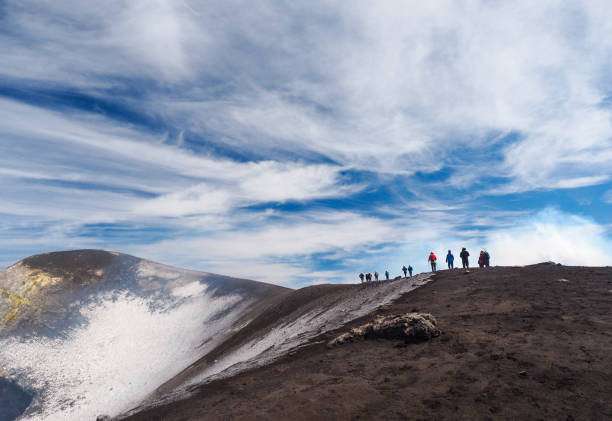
{"x":409,"y":327}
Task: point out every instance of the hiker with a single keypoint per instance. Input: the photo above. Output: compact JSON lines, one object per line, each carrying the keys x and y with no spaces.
{"x":487,"y":258}
{"x":361,"y":276}
{"x":481,"y":259}
{"x":387,"y":274}
{"x":450,"y":259}
{"x":376,"y":276}
{"x":404,"y":269}
{"x":432,"y":259}
{"x":464,"y":258}
{"x":410,"y":270}
{"x":368,"y":278}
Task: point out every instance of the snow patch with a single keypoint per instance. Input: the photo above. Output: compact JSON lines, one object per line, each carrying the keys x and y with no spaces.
{"x":189,"y":290}
{"x":330,"y":316}
{"x":127,"y":348}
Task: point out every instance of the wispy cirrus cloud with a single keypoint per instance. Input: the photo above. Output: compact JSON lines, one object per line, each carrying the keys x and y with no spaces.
{"x":258,"y":125}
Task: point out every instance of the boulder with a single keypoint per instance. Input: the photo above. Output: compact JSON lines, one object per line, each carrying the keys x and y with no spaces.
{"x":409,"y":327}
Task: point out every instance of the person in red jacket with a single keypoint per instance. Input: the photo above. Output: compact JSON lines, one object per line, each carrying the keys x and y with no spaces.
{"x":432,"y":259}
{"x":481,"y":259}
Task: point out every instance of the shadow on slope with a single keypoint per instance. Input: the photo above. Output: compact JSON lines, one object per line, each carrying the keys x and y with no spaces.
{"x":13,"y":400}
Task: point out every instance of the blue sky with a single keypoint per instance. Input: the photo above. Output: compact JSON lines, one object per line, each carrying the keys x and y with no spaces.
{"x":301,"y":144}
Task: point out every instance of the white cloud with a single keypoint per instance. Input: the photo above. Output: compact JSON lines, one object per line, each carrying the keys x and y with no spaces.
{"x":292,"y":237}
{"x":123,"y":158}
{"x":161,"y":33}
{"x":551,"y":236}
{"x":388,"y":87}
{"x":267,"y":182}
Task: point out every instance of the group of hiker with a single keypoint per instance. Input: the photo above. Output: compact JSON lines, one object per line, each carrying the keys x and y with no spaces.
{"x":483,"y":260}
{"x":366,"y":279}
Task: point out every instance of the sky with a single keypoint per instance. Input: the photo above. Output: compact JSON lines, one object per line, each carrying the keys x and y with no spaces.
{"x":305,"y":142}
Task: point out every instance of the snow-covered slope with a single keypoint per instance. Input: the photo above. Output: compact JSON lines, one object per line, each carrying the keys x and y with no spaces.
{"x":93,"y":332}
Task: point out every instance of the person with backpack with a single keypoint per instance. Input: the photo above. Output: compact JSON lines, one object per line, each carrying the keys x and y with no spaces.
{"x":361,"y":276}
{"x":487,"y":258}
{"x":450,"y":259}
{"x":368,"y":278}
{"x":410,"y":270}
{"x":404,"y":269}
{"x":387,"y":274}
{"x":376,"y":276}
{"x":432,"y":259}
{"x":464,"y":258}
{"x":481,"y":259}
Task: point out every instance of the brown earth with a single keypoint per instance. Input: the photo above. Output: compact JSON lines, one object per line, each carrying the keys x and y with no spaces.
{"x":517,"y":343}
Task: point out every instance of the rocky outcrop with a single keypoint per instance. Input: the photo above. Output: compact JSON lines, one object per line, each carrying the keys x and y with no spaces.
{"x":409,"y":327}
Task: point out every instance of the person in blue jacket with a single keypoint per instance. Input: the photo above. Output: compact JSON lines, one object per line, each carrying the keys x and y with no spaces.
{"x":450,"y":259}
{"x":410,"y":270}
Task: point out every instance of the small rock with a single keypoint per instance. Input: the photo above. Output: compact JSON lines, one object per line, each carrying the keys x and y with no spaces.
{"x":523,"y":373}
{"x":103,"y":418}
{"x":562,"y":280}
{"x":411,"y":327}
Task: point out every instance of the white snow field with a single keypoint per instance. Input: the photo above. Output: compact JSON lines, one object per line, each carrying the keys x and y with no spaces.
{"x":123,"y":352}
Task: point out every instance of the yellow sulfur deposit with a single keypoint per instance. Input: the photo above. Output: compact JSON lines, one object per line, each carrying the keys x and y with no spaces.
{"x":16,"y":303}
{"x":36,"y":280}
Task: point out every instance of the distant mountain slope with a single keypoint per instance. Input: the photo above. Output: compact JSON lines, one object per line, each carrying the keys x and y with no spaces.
{"x":93,"y":331}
